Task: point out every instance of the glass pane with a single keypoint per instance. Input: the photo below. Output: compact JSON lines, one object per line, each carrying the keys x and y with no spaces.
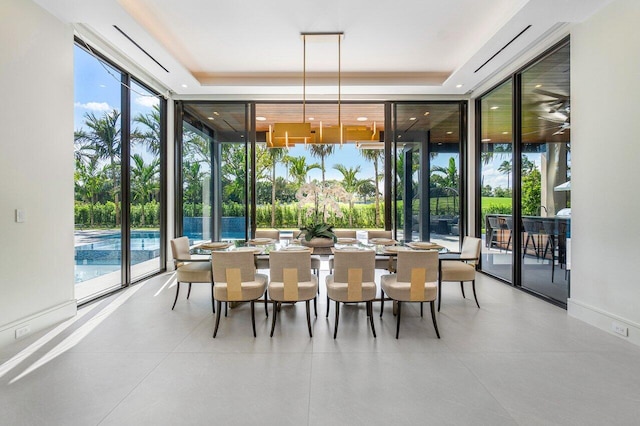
{"x":344,"y":173}
{"x":97,"y":141}
{"x":145,"y":182}
{"x":427,"y":172}
{"x":196,"y":184}
{"x":496,"y":157}
{"x":546,"y":175}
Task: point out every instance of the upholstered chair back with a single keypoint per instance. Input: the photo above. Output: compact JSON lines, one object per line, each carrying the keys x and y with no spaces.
{"x":408,"y":260}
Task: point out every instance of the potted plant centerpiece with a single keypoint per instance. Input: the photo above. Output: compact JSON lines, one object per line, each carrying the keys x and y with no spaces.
{"x":320,"y":203}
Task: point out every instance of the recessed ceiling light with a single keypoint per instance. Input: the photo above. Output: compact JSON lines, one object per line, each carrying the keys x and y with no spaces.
{"x":361,"y":118}
{"x":412,"y":119}
{"x":261,"y":118}
{"x":505,"y":133}
{"x":426,"y":113}
{"x":216,"y":113}
{"x":458,"y":85}
{"x":185,"y":86}
{"x":495,"y":107}
{"x":399,"y":136}
{"x":486,"y":140}
{"x":210,"y":118}
{"x":538,"y":86}
{"x":311,"y":118}
{"x":449,"y":133}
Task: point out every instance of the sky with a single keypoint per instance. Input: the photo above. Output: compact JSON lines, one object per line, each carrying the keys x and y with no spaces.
{"x":97,"y":91}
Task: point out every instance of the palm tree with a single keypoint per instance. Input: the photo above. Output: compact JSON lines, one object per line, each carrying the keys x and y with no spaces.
{"x":373,"y":155}
{"x":275,"y":155}
{"x":150,"y":134}
{"x":321,"y":151}
{"x":448,"y":181}
{"x":144,"y":181}
{"x":505,"y":169}
{"x":89,"y":179}
{"x":104,"y":139}
{"x":350,"y":183}
{"x":193,"y":177}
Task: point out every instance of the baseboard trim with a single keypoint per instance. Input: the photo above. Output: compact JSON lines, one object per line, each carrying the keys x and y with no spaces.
{"x":37,"y":321}
{"x":603,"y":320}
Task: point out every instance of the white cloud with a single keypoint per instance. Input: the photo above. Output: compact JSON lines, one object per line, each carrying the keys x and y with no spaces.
{"x":94,"y":106}
{"x":147,"y":101}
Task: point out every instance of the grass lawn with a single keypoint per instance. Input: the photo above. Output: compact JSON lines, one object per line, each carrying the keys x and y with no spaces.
{"x":502,"y":202}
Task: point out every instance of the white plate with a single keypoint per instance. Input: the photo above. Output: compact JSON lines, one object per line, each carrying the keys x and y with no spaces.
{"x":346,"y":240}
{"x":296,"y":248}
{"x":251,"y":249}
{"x":382,"y":241}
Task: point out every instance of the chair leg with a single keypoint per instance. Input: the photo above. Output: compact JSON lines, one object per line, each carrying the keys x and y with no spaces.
{"x":433,"y":318}
{"x":266,"y":311}
{"x":273,"y":321}
{"x":328,"y":304}
{"x":421,"y":310}
{"x":473,"y":285}
{"x":373,"y":328}
{"x":439,"y":292}
{"x":215,"y":330}
{"x":335,"y":330}
{"x":226,"y":308}
{"x":177,"y":292}
{"x":315,"y":306}
{"x":308,"y":318}
{"x":189,"y":291}
{"x":462,"y":288}
{"x":381,"y":302}
{"x":253,"y":318}
{"x":213,"y":300}
{"x":398,"y":319}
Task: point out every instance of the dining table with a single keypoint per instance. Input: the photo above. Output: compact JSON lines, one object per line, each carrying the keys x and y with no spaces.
{"x":384,"y":248}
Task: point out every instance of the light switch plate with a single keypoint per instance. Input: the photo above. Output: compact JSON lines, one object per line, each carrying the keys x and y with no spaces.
{"x":20,"y":216}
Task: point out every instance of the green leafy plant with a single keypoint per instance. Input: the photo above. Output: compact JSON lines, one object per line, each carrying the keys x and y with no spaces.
{"x":318,"y":230}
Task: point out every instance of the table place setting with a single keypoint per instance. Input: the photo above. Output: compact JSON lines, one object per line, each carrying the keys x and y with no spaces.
{"x":261,"y":241}
{"x":382,"y":241}
{"x":214,"y":245}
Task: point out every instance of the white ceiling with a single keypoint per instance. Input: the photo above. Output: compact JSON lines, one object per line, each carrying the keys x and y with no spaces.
{"x":254,"y":47}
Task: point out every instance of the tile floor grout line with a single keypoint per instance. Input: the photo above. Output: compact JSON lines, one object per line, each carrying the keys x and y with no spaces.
{"x":134,"y":387}
{"x":486,"y":388}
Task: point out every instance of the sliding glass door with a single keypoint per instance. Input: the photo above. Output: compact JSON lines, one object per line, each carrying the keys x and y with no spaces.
{"x":214,"y":192}
{"x":427,"y":143}
{"x":525,"y":170}
{"x":119,"y":139}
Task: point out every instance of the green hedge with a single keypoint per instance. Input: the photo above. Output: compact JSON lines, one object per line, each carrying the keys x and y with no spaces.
{"x":104,"y":215}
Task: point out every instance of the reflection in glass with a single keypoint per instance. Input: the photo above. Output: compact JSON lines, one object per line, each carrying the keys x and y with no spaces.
{"x":546,"y":174}
{"x":496,"y":161}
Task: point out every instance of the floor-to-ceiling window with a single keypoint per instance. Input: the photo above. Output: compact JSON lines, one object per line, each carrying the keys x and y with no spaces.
{"x":118,"y":140}
{"x":213,"y":201}
{"x":496,"y":180}
{"x":427,"y":141}
{"x":546,"y":174}
{"x":144,"y":181}
{"x":525,"y":171}
{"x":342,"y":155}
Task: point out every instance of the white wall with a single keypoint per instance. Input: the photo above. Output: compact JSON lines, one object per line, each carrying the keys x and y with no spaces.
{"x":36,"y":168}
{"x":605,"y":116}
